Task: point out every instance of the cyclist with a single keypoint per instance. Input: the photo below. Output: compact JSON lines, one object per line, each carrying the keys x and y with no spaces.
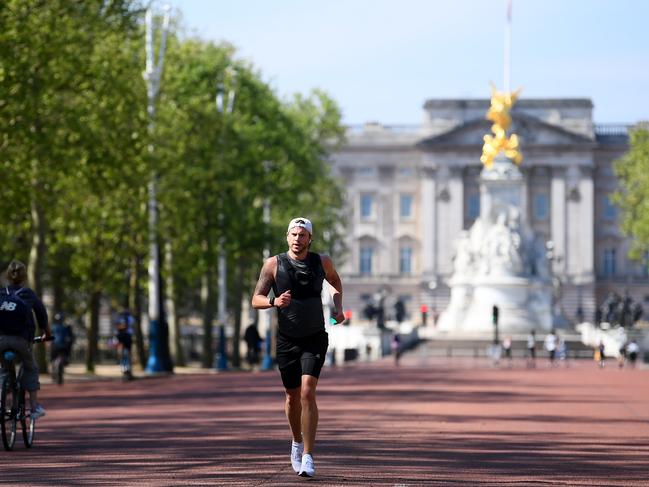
{"x":19,"y":306}
{"x":63,"y":339}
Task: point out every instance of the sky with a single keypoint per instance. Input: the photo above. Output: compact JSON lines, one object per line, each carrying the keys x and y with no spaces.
{"x":382,"y":59}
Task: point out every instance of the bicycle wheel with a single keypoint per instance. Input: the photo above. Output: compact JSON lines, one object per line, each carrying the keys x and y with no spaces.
{"x":9,"y":408}
{"x":28,"y":426}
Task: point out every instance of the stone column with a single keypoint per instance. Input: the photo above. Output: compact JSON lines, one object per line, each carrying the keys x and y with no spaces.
{"x":574,"y":238}
{"x":450,"y":200}
{"x":427,"y":221}
{"x":558,"y":215}
{"x":385,"y":220}
{"x":586,"y":224}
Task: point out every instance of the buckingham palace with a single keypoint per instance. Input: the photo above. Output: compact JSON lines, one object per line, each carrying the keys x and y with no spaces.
{"x":411,"y":191}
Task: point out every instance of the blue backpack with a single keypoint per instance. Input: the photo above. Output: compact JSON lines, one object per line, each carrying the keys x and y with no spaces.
{"x":15,"y":314}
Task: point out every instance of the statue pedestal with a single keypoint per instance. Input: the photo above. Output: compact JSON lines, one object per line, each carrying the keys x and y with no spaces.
{"x":499,"y":262}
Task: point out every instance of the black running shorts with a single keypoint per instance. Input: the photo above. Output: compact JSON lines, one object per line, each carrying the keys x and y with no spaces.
{"x":300,"y":356}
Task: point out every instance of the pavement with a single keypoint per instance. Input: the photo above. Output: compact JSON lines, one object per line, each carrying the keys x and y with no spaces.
{"x":430,"y":421}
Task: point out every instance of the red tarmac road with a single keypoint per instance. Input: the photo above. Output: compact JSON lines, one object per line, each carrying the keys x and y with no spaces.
{"x":428,"y":422}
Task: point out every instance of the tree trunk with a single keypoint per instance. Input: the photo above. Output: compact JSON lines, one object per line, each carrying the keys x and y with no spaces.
{"x":175,"y":341}
{"x":93,"y":331}
{"x":207,"y":302}
{"x":135,"y":305}
{"x":237,"y":308}
{"x":58,"y":289}
{"x":35,"y":269}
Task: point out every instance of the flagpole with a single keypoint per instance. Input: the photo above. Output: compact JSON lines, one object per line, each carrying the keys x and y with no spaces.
{"x":508,"y":43}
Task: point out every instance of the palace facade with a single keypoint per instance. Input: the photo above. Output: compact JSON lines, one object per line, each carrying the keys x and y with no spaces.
{"x":411,"y":190}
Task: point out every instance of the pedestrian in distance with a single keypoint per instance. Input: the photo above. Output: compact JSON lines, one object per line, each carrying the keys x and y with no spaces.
{"x":63,"y":339}
{"x":600,"y":355}
{"x":632,"y":350}
{"x":253,"y":343}
{"x":621,"y":356}
{"x":124,"y":338}
{"x":21,"y":311}
{"x":396,"y":348}
{"x":531,"y":350}
{"x":507,"y":348}
{"x":61,"y":347}
{"x":550,"y":344}
{"x":562,"y":350}
{"x":296,"y":278}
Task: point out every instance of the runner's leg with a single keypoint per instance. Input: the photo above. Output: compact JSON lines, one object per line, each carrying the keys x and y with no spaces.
{"x":309,"y":411}
{"x":293,"y":410}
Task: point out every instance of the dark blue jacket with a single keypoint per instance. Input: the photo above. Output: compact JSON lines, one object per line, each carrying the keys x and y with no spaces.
{"x":29,"y":296}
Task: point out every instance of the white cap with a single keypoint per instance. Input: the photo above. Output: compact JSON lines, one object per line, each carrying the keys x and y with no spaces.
{"x":301,"y":222}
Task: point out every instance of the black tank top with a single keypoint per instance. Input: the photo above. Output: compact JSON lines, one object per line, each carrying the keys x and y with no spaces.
{"x":304,"y":316}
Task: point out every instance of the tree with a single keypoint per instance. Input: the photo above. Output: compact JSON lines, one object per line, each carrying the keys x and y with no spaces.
{"x":632,"y":171}
{"x":54,"y":109}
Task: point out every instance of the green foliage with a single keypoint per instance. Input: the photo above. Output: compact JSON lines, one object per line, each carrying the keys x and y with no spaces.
{"x":219,"y":168}
{"x":74,"y":142}
{"x":71,"y":93}
{"x":632,"y":171}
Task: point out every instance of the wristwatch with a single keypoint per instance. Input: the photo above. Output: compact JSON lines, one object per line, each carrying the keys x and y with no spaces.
{"x":271,"y":301}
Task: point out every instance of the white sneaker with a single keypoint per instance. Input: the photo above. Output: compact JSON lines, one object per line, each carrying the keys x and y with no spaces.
{"x":296,"y":455}
{"x":38,"y":412}
{"x":308,"y":468}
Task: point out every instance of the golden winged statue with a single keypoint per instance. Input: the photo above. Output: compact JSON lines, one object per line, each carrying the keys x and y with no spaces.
{"x":498,"y":113}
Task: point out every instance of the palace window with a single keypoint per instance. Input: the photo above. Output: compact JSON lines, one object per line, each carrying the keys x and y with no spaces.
{"x":609,"y":262}
{"x":366,"y":260}
{"x":473,"y":206}
{"x":609,"y":209}
{"x":405,"y":260}
{"x":366,"y":171}
{"x":367,"y":203}
{"x":405,"y":206}
{"x":541,"y":206}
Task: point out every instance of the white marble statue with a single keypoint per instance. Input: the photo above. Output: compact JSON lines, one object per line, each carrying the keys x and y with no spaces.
{"x":500,"y":262}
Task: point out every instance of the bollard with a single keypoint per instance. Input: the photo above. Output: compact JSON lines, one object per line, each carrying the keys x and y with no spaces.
{"x":267,"y":362}
{"x":221,"y":358}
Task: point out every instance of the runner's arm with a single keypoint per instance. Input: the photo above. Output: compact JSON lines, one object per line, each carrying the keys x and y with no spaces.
{"x":332,"y":277}
{"x":264,"y":284}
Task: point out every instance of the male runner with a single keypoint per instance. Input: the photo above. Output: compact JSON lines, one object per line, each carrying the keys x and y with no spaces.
{"x":296,"y":278}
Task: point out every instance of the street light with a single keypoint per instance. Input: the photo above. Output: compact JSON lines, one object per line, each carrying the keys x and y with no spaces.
{"x":224,"y":104}
{"x":159,"y":359}
{"x":265,"y":315}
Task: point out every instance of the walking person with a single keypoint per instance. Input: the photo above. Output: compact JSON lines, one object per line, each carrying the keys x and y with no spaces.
{"x":63,"y":338}
{"x":531,"y":350}
{"x":550,"y":344}
{"x":563,"y":350}
{"x":296,"y":278}
{"x":507,"y":348}
{"x":632,"y":350}
{"x":621,"y":357}
{"x":396,"y":348}
{"x":124,"y":337}
{"x":601,"y":356}
{"x":20,"y":312}
{"x":253,"y":343}
{"x":61,"y":349}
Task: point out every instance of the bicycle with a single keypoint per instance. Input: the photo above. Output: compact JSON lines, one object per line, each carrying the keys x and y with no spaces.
{"x":12,"y":402}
